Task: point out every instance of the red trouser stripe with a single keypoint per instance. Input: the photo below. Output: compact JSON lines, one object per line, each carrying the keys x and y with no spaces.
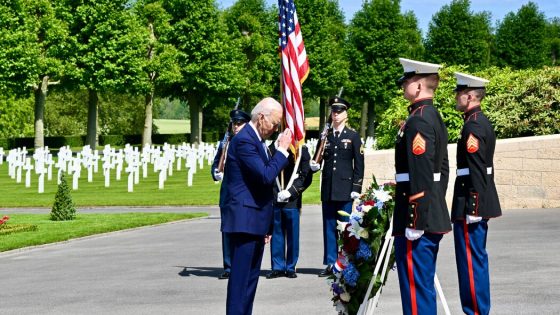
{"x":411,"y":277}
{"x":469,"y":262}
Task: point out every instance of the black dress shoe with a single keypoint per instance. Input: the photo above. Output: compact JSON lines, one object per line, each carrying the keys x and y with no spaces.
{"x":275,"y":274}
{"x":224,"y":275}
{"x":327,"y":272}
{"x":291,"y":275}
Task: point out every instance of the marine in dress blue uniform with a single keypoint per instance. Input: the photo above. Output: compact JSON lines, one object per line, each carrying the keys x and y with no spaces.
{"x":341,"y":178}
{"x":238,"y":120}
{"x":284,"y":246}
{"x":421,"y":215}
{"x":250,"y":173}
{"x":475,"y":199}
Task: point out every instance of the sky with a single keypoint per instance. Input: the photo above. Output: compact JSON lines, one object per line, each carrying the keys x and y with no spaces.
{"x":424,"y":9}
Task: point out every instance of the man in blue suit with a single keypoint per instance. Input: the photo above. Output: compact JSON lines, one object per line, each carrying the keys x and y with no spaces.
{"x":249,"y":176}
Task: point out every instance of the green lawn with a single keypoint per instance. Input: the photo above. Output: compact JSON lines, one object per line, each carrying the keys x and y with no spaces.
{"x":203,"y":192}
{"x":85,"y":224}
{"x":172,"y":126}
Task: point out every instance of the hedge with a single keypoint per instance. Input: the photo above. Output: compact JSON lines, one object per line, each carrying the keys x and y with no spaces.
{"x":518,"y":102}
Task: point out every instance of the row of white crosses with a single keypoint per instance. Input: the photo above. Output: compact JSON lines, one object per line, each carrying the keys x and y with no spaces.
{"x":162,"y":158}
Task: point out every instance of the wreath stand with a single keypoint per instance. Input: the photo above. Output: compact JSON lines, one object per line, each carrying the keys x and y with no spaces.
{"x":368,"y":306}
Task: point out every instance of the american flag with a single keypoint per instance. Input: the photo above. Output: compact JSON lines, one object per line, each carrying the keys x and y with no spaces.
{"x":295,"y":69}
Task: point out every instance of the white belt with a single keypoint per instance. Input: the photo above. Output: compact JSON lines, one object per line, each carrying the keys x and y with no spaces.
{"x":405,"y":177}
{"x":466,"y":171}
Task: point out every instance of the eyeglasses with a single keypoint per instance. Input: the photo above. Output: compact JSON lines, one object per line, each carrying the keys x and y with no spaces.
{"x":274,"y":124}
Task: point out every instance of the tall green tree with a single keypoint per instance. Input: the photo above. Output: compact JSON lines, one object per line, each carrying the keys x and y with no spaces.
{"x":456,"y":35}
{"x":378,"y":35}
{"x":253,"y":28}
{"x":209,"y":61}
{"x":553,"y":41}
{"x":109,"y":52}
{"x":161,"y":68}
{"x":324,"y":34}
{"x":520,"y":39}
{"x":32,"y":57}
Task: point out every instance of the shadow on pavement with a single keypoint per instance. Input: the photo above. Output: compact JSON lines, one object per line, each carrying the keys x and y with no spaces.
{"x":212,"y":272}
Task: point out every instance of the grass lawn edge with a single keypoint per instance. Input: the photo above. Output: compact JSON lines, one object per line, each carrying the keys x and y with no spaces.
{"x":99,"y":235}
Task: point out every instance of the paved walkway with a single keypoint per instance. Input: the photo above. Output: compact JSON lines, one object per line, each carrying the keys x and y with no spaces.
{"x":172,"y":269}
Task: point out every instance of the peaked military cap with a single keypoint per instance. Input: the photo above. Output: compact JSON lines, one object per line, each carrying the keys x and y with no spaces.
{"x":413,"y":67}
{"x":467,"y":81}
{"x":338,"y":104}
{"x":239,"y":115}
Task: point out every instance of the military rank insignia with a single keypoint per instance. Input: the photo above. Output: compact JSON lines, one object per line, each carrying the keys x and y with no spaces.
{"x":472,"y":144}
{"x":418,"y":144}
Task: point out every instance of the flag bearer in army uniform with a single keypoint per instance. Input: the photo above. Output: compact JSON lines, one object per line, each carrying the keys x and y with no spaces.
{"x":342,"y":176}
{"x":475,"y":199}
{"x":284,"y":245}
{"x":421,"y":216}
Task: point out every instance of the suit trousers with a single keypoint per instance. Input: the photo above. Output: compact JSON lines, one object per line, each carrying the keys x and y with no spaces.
{"x":416,"y":267}
{"x":246,"y":257}
{"x":472,"y":266}
{"x":284,"y":247}
{"x":330,"y":233}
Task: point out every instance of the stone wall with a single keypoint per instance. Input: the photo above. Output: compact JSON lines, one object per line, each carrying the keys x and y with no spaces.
{"x":527,"y":171}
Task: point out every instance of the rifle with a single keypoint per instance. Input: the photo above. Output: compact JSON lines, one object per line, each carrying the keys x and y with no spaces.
{"x":225,"y":141}
{"x":318,"y":158}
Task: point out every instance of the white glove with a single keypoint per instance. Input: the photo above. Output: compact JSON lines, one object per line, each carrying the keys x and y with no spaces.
{"x":283,"y":196}
{"x":473,"y":219}
{"x":354,"y":195}
{"x":314,"y":166}
{"x":218,"y":175}
{"x":412,"y":234}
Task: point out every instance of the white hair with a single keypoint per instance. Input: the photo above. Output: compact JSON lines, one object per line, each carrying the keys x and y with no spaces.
{"x":266,"y":107}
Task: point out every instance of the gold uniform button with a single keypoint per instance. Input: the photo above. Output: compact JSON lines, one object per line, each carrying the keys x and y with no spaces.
{"x":412,"y":215}
{"x":410,"y":225}
{"x":335,"y":154}
{"x":334,"y":161}
{"x":334,"y":168}
{"x":463,"y":184}
{"x":412,"y":206}
{"x":404,"y":194}
{"x":473,"y":212}
{"x":474,"y":196}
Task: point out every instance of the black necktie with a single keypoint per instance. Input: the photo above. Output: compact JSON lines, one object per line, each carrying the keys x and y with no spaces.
{"x":336,"y":133}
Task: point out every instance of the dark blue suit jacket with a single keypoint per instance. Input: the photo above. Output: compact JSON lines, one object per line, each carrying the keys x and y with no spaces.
{"x":249,"y":177}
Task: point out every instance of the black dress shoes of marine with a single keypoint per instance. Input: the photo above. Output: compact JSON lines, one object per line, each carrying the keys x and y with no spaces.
{"x":291,"y":275}
{"x":275,"y":274}
{"x":327,"y":272}
{"x":224,"y":275}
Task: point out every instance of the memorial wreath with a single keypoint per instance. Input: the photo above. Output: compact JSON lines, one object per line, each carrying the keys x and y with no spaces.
{"x":361,"y":242}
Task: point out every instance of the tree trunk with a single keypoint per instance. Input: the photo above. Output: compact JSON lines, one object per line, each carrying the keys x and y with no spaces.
{"x":371,"y":119}
{"x":147,"y":133}
{"x":149,"y":104}
{"x":364,"y":120}
{"x":92,"y":138}
{"x":194,"y":110}
{"x":322,"y":113}
{"x":40,"y":100}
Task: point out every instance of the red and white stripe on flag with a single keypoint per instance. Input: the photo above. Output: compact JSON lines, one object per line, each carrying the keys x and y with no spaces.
{"x":295,"y":69}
